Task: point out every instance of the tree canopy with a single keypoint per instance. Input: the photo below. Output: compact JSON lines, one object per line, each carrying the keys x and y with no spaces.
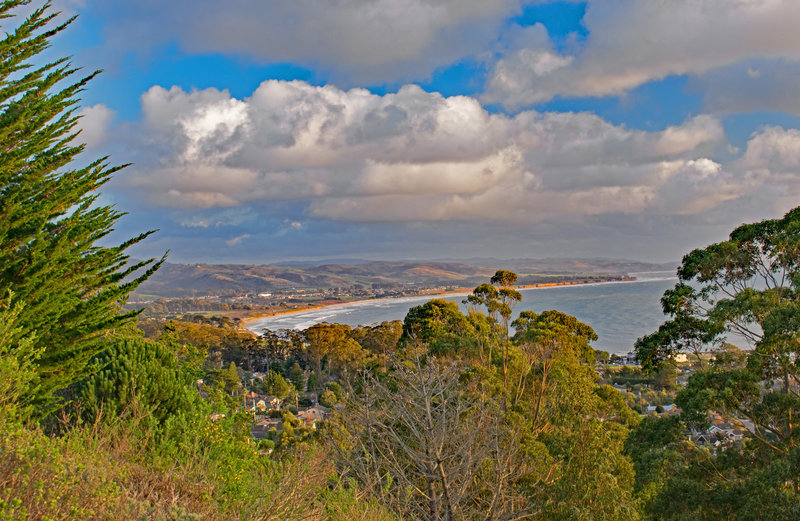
{"x":51,"y":222}
{"x":748,"y":285}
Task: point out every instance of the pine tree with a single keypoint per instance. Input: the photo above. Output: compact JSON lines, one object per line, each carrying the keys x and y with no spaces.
{"x":277,"y":386}
{"x":137,"y":373}
{"x":297,"y":377}
{"x":50,"y":221}
{"x":231,"y":378}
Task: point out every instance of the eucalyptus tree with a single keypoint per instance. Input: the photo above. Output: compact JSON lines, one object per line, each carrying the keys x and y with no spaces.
{"x":748,"y":285}
{"x":499,"y":298}
{"x":441,"y":326}
{"x":581,"y":427}
{"x":543,"y":338}
{"x":334,"y":343}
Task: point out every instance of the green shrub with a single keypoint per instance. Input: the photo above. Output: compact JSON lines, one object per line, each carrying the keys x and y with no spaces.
{"x":153,"y":374}
{"x":328,"y":399}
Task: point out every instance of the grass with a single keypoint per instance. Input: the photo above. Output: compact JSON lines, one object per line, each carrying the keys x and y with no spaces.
{"x":120,"y":470}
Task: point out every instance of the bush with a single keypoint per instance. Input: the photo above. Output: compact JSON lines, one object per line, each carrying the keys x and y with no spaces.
{"x":103,"y":472}
{"x":328,"y":399}
{"x":336,"y":389}
{"x":153,"y":374}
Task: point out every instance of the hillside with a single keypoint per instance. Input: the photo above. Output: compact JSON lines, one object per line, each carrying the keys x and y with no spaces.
{"x":179,"y":280}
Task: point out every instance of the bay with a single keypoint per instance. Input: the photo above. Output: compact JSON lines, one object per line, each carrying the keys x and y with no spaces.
{"x":619,"y":312}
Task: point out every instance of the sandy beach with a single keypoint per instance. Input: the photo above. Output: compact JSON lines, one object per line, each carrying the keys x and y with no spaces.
{"x":246,"y":322}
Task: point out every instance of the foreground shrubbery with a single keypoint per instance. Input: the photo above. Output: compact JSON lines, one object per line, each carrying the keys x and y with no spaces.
{"x":121,"y":470}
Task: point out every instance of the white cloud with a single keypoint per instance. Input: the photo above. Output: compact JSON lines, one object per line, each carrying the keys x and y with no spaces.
{"x":358,"y":42}
{"x":415,"y":156}
{"x":631,"y":42}
{"x":773,"y":150}
{"x":94,"y":124}
{"x":686,"y":138}
{"x":238,"y":239}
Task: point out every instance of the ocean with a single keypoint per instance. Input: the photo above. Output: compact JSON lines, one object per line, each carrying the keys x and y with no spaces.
{"x":619,"y":312}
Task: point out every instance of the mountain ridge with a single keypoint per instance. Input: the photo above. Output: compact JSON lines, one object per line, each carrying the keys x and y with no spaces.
{"x":180,"y":280}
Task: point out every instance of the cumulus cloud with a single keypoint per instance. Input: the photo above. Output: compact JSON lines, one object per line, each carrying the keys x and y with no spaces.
{"x":631,"y":42}
{"x":415,"y":156}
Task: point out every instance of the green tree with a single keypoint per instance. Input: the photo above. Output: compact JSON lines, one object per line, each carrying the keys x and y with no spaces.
{"x":154,"y":377}
{"x":665,"y":376}
{"x":333,"y":342}
{"x":297,"y":377}
{"x":750,"y":285}
{"x":337,"y":390}
{"x":544,"y":338}
{"x":581,"y":426}
{"x":499,"y":299}
{"x":439,"y":324}
{"x":18,"y":355}
{"x":328,"y":399}
{"x":275,"y":385}
{"x":231,"y":378}
{"x":380,"y":339}
{"x":50,"y":220}
{"x":314,"y":382}
{"x":602,"y":357}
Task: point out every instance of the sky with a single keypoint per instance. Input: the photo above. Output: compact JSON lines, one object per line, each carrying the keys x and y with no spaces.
{"x":262,"y":131}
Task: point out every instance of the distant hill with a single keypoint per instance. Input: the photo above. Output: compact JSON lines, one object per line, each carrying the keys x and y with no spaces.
{"x":178,"y":280}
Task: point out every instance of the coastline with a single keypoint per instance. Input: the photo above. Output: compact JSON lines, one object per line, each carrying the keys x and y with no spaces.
{"x":455,"y":292}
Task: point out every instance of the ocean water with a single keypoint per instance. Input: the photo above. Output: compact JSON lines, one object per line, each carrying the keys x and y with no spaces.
{"x":619,"y":312}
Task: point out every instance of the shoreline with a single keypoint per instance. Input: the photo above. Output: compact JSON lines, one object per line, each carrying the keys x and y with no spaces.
{"x":455,"y":292}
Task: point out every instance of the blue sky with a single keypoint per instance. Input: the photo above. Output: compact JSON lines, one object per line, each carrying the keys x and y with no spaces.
{"x":263,"y":130}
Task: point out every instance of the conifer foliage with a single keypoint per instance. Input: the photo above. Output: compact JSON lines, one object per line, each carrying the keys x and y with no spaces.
{"x":138,"y":373}
{"x":70,"y":288}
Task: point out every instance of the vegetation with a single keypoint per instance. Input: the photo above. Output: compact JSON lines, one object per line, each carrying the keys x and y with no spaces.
{"x":124,"y":433}
{"x":50,"y":222}
{"x":444,"y":416}
{"x":748,"y":285}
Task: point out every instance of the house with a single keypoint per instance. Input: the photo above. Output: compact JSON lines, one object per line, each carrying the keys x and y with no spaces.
{"x":725,"y":430}
{"x":670,"y":409}
{"x":629,"y":358}
{"x":707,"y":440}
{"x":312,"y":415}
{"x":720,"y":433}
{"x":251,"y":401}
{"x":262,"y":427}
